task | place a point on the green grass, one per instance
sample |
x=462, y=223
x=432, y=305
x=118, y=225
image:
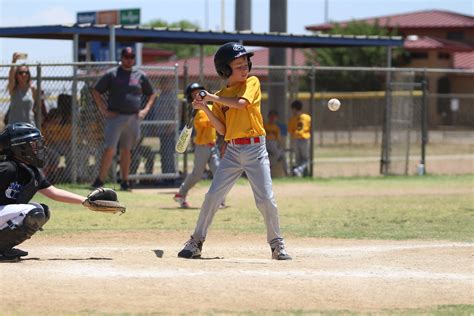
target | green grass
x=366, y=210
x=441, y=310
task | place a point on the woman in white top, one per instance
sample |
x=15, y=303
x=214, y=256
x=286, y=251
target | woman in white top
x=22, y=94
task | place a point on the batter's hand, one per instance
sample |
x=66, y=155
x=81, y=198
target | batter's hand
x=199, y=105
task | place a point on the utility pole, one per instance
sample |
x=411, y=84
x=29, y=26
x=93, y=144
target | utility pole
x=222, y=15
x=277, y=57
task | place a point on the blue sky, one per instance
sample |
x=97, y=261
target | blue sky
x=300, y=14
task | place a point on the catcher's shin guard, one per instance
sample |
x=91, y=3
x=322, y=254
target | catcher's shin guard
x=16, y=234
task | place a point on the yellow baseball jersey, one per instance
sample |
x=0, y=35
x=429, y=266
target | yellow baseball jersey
x=246, y=122
x=299, y=126
x=205, y=132
x=273, y=131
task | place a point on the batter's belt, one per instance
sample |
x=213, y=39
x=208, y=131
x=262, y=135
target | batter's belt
x=247, y=140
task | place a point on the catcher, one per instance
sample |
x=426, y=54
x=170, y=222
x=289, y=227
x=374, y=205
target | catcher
x=22, y=154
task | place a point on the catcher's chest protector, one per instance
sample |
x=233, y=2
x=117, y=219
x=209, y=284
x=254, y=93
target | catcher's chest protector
x=31, y=187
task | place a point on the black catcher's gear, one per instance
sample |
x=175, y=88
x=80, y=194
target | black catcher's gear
x=226, y=54
x=16, y=234
x=189, y=90
x=24, y=143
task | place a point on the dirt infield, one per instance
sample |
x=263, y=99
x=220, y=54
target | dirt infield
x=120, y=272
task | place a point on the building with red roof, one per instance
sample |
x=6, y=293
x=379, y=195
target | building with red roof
x=433, y=39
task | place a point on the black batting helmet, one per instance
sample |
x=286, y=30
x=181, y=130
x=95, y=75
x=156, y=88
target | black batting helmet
x=23, y=142
x=226, y=54
x=190, y=88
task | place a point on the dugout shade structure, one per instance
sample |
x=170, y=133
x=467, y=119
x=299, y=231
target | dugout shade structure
x=113, y=34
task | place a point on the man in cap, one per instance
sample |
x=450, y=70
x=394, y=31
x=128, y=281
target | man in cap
x=123, y=111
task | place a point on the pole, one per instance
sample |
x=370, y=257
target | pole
x=176, y=106
x=38, y=97
x=74, y=126
x=74, y=112
x=326, y=11
x=201, y=63
x=206, y=14
x=424, y=128
x=112, y=42
x=313, y=116
x=185, y=115
x=386, y=126
x=222, y=15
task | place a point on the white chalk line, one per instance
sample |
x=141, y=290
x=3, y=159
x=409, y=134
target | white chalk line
x=76, y=270
x=323, y=250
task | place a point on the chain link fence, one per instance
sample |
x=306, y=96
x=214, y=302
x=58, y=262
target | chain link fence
x=73, y=127
x=353, y=141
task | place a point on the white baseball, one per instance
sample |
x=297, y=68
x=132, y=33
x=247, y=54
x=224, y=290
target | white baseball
x=334, y=104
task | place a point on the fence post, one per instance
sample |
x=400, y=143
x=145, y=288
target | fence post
x=39, y=97
x=313, y=115
x=384, y=160
x=185, y=116
x=424, y=128
x=74, y=126
x=176, y=117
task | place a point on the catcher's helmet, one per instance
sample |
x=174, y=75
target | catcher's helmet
x=226, y=54
x=23, y=142
x=189, y=90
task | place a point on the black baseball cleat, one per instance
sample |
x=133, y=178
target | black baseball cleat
x=97, y=184
x=279, y=253
x=192, y=249
x=12, y=255
x=125, y=186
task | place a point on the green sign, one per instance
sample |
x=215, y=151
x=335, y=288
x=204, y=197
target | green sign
x=130, y=17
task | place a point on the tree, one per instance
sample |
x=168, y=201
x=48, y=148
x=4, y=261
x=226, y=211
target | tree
x=181, y=50
x=371, y=56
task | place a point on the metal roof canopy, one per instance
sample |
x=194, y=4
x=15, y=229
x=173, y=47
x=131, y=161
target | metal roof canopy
x=120, y=33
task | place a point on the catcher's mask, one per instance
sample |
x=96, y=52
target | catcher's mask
x=226, y=54
x=190, y=89
x=23, y=142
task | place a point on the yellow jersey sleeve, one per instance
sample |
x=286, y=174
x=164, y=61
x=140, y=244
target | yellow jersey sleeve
x=246, y=122
x=205, y=132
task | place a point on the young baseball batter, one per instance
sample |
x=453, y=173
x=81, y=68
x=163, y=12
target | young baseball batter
x=205, y=151
x=236, y=115
x=22, y=153
x=299, y=127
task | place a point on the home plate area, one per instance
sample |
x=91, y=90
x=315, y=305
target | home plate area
x=140, y=272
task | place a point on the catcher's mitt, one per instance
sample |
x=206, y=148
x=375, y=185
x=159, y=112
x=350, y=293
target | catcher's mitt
x=104, y=200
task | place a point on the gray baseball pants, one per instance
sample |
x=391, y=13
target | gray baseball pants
x=253, y=159
x=203, y=155
x=301, y=149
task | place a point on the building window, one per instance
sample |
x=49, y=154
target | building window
x=442, y=55
x=418, y=55
x=455, y=36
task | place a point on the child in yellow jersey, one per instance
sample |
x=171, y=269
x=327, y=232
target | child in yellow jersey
x=205, y=151
x=299, y=127
x=236, y=115
x=274, y=144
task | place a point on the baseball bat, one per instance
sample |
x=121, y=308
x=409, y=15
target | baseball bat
x=186, y=133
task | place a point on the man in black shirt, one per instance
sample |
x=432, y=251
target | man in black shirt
x=22, y=154
x=125, y=86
